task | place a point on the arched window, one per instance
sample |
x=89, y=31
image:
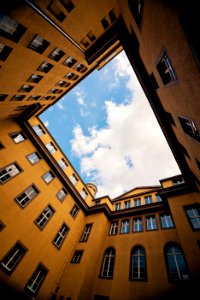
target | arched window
x=136, y=8
x=107, y=267
x=138, y=270
x=176, y=264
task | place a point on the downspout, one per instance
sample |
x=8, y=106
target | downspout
x=40, y=12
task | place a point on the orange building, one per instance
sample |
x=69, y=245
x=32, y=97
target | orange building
x=58, y=241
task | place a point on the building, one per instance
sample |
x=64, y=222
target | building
x=58, y=241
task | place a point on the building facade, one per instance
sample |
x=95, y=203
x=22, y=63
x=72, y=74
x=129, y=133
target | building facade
x=58, y=241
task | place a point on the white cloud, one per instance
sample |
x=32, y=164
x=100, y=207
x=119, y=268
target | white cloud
x=60, y=105
x=80, y=96
x=46, y=123
x=131, y=150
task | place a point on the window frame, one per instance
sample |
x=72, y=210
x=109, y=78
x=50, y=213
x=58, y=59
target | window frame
x=137, y=225
x=111, y=260
x=139, y=262
x=4, y=168
x=76, y=208
x=37, y=271
x=61, y=199
x=52, y=176
x=24, y=192
x=59, y=235
x=124, y=227
x=192, y=206
x=114, y=229
x=86, y=233
x=18, y=134
x=78, y=253
x=42, y=216
x=152, y=222
x=169, y=69
x=37, y=155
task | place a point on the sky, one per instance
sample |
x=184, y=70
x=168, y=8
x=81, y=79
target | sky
x=108, y=131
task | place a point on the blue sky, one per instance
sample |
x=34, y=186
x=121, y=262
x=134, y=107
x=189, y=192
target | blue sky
x=108, y=131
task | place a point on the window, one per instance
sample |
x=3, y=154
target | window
x=13, y=257
x=166, y=70
x=62, y=163
x=35, y=78
x=24, y=198
x=84, y=42
x=190, y=128
x=193, y=214
x=138, y=270
x=125, y=226
x=68, y=4
x=91, y=36
x=18, y=97
x=127, y=204
x=176, y=265
x=61, y=235
x=76, y=259
x=158, y=198
x=2, y=97
x=113, y=228
x=33, y=158
x=50, y=146
x=117, y=206
x=18, y=137
x=48, y=176
x=38, y=44
x=178, y=181
x=61, y=195
x=105, y=23
x=44, y=217
x=137, y=225
x=80, y=68
x=166, y=221
x=137, y=202
x=8, y=172
x=136, y=8
x=54, y=8
x=107, y=268
x=4, y=52
x=10, y=28
x=74, y=211
x=26, y=88
x=34, y=97
x=148, y=199
x=112, y=15
x=69, y=62
x=73, y=179
x=45, y=67
x=86, y=232
x=151, y=223
x=36, y=279
x=83, y=194
x=62, y=83
x=71, y=76
x=38, y=130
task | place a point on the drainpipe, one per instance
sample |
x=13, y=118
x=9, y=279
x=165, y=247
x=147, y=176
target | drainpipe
x=38, y=10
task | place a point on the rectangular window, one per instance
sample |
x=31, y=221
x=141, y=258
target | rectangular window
x=113, y=228
x=73, y=179
x=127, y=204
x=193, y=214
x=86, y=232
x=24, y=198
x=137, y=202
x=61, y=195
x=26, y=88
x=151, y=223
x=68, y=4
x=50, y=146
x=48, y=177
x=178, y=181
x=38, y=130
x=36, y=280
x=35, y=78
x=137, y=225
x=158, y=198
x=18, y=97
x=166, y=70
x=11, y=29
x=105, y=23
x=77, y=257
x=34, y=158
x=80, y=68
x=4, y=52
x=9, y=172
x=74, y=211
x=117, y=206
x=69, y=62
x=38, y=44
x=125, y=226
x=13, y=257
x=61, y=235
x=44, y=217
x=148, y=199
x=166, y=221
x=62, y=163
x=83, y=194
x=190, y=128
x=57, y=54
x=91, y=36
x=18, y=137
x=45, y=67
x=54, y=8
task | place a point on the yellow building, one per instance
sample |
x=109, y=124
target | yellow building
x=58, y=241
